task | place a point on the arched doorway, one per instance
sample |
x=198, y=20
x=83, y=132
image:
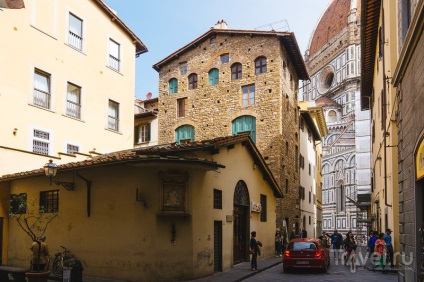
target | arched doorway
x=241, y=222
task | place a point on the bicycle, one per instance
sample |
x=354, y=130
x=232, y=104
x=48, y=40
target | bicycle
x=59, y=259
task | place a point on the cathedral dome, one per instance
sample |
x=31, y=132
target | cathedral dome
x=332, y=21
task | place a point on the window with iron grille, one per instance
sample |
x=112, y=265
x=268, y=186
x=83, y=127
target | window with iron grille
x=263, y=208
x=181, y=107
x=192, y=81
x=248, y=94
x=75, y=32
x=41, y=146
x=236, y=71
x=71, y=149
x=41, y=89
x=114, y=55
x=18, y=203
x=217, y=199
x=49, y=201
x=113, y=116
x=73, y=101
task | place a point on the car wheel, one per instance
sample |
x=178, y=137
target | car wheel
x=325, y=268
x=286, y=269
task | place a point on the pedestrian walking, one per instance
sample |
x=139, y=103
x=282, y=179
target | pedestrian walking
x=304, y=233
x=380, y=250
x=284, y=237
x=371, y=243
x=292, y=235
x=324, y=240
x=278, y=243
x=389, y=245
x=350, y=245
x=336, y=241
x=255, y=251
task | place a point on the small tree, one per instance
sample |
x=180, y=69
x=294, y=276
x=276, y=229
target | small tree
x=31, y=218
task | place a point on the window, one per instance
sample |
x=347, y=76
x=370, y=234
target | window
x=75, y=32
x=245, y=124
x=310, y=169
x=310, y=196
x=173, y=86
x=236, y=71
x=41, y=89
x=71, y=149
x=217, y=199
x=18, y=203
x=114, y=55
x=183, y=68
x=40, y=143
x=248, y=94
x=260, y=65
x=49, y=201
x=113, y=116
x=213, y=76
x=73, y=101
x=192, y=81
x=142, y=133
x=181, y=107
x=184, y=134
x=225, y=58
x=263, y=208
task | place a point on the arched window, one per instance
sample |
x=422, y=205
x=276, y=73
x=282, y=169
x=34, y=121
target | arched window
x=192, y=81
x=236, y=71
x=213, y=76
x=332, y=116
x=260, y=65
x=173, y=86
x=245, y=124
x=184, y=134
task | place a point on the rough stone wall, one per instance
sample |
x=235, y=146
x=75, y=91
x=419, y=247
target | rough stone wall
x=410, y=130
x=212, y=108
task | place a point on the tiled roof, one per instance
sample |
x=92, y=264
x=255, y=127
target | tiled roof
x=287, y=39
x=166, y=153
x=334, y=20
x=326, y=102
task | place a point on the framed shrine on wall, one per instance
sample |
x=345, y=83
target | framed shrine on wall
x=173, y=194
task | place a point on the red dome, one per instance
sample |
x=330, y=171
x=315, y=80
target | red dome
x=332, y=21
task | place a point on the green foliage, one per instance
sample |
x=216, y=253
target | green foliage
x=30, y=217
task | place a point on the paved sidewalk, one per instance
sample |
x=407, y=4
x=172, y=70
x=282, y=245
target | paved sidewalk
x=242, y=270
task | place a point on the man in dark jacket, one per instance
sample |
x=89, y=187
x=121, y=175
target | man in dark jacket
x=336, y=242
x=304, y=234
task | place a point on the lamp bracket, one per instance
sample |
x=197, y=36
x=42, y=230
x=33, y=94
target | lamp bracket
x=67, y=185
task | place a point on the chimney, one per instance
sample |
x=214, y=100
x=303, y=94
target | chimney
x=221, y=25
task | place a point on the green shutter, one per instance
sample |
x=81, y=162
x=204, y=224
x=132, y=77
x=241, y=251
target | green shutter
x=213, y=76
x=148, y=132
x=245, y=124
x=184, y=132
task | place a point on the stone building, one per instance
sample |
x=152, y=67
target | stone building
x=230, y=81
x=333, y=62
x=408, y=78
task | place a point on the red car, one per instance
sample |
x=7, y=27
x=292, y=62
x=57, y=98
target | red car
x=306, y=253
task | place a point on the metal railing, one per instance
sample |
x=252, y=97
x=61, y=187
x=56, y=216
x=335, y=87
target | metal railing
x=114, y=62
x=73, y=109
x=75, y=40
x=41, y=99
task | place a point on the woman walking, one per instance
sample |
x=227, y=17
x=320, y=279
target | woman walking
x=254, y=250
x=350, y=248
x=380, y=251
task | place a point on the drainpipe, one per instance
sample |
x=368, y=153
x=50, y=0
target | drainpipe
x=385, y=133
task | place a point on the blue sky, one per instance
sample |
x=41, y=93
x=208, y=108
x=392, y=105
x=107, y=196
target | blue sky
x=166, y=25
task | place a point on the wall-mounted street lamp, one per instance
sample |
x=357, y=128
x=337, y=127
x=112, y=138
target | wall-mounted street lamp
x=50, y=169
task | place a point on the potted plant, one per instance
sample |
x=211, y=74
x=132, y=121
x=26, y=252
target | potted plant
x=33, y=220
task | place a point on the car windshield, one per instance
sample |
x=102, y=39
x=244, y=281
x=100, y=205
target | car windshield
x=302, y=246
